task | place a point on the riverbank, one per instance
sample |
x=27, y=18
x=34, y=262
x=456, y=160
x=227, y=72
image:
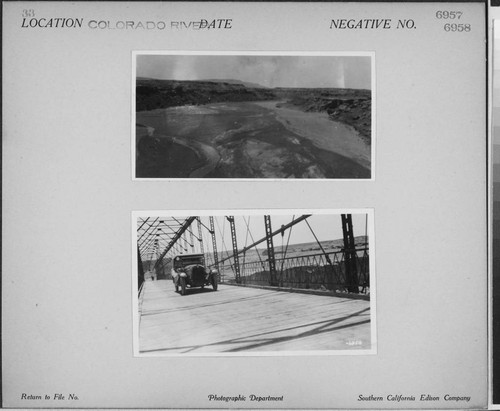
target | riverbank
x=323, y=132
x=250, y=140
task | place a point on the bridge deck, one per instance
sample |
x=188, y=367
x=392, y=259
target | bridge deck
x=241, y=319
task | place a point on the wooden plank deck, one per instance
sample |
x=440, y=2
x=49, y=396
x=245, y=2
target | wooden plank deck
x=241, y=319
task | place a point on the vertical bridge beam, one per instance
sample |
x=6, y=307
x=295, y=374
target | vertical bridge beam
x=200, y=235
x=184, y=242
x=192, y=240
x=351, y=272
x=140, y=269
x=273, y=280
x=214, y=245
x=235, y=249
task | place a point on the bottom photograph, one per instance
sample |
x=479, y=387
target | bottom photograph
x=255, y=283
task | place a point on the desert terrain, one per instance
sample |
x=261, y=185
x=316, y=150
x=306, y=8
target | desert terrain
x=216, y=129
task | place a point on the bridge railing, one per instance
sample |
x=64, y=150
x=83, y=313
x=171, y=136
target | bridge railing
x=310, y=271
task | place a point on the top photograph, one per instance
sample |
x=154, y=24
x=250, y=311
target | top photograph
x=253, y=116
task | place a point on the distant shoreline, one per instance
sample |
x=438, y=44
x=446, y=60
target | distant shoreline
x=254, y=139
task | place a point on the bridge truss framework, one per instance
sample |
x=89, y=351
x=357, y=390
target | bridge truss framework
x=159, y=239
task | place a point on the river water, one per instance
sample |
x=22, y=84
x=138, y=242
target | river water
x=322, y=132
x=261, y=139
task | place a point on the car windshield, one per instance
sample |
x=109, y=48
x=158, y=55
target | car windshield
x=182, y=261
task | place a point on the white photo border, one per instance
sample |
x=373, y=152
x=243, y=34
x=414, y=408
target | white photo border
x=239, y=212
x=371, y=54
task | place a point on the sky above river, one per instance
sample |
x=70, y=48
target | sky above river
x=267, y=71
x=325, y=227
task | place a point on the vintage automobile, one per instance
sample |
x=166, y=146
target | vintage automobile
x=188, y=271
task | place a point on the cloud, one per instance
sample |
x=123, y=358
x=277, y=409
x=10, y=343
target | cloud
x=270, y=71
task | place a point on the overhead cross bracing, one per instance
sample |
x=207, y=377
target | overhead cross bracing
x=156, y=236
x=314, y=252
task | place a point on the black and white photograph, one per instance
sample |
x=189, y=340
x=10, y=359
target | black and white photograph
x=290, y=205
x=254, y=116
x=255, y=284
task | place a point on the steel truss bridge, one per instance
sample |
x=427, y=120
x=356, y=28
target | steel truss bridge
x=253, y=309
x=342, y=270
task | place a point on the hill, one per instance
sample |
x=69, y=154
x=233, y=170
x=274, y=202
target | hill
x=153, y=94
x=293, y=250
x=231, y=81
x=349, y=106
